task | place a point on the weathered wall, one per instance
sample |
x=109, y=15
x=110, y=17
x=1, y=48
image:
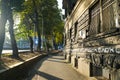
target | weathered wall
x=97, y=23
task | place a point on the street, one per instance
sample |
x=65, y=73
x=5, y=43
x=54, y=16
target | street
x=10, y=51
x=54, y=68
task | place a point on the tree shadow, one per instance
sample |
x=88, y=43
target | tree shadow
x=17, y=58
x=47, y=76
x=42, y=74
x=56, y=61
x=58, y=58
x=35, y=71
x=2, y=66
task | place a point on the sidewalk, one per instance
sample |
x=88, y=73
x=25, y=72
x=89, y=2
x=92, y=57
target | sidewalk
x=54, y=68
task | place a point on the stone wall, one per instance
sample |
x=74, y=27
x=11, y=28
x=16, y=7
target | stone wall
x=96, y=40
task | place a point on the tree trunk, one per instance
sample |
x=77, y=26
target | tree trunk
x=46, y=46
x=3, y=21
x=31, y=43
x=53, y=46
x=39, y=41
x=54, y=43
x=12, y=36
x=37, y=25
x=29, y=27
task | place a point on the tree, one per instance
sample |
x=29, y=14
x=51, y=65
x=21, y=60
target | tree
x=43, y=13
x=7, y=7
x=3, y=21
x=32, y=10
x=52, y=20
x=58, y=34
x=26, y=28
x=37, y=24
x=12, y=36
x=13, y=5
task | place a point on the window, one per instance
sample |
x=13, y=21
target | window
x=117, y=13
x=108, y=15
x=101, y=17
x=70, y=33
x=94, y=22
x=75, y=29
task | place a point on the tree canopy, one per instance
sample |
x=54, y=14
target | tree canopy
x=49, y=17
x=39, y=18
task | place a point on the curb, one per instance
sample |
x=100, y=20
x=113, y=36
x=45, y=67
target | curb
x=20, y=70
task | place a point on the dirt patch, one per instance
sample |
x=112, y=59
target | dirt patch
x=7, y=60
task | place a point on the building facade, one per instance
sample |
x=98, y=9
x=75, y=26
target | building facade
x=92, y=37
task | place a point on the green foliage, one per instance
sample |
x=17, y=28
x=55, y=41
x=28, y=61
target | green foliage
x=53, y=24
x=17, y=5
x=58, y=37
x=21, y=32
x=24, y=29
x=48, y=12
x=58, y=32
x=28, y=7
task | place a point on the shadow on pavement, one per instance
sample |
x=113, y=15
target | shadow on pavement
x=36, y=71
x=48, y=76
x=43, y=75
x=2, y=65
x=57, y=58
x=56, y=61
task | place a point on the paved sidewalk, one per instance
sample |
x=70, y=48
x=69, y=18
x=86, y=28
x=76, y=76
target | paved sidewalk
x=54, y=67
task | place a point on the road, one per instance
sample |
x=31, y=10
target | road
x=10, y=51
x=54, y=68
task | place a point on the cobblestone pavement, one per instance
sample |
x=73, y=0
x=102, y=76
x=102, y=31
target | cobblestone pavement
x=54, y=67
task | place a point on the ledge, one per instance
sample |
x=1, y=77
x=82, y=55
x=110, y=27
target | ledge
x=19, y=70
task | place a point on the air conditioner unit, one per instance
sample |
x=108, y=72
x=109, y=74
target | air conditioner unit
x=117, y=13
x=82, y=34
x=117, y=21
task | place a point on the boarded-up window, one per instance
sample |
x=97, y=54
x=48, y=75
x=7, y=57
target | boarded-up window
x=94, y=24
x=83, y=23
x=108, y=15
x=107, y=19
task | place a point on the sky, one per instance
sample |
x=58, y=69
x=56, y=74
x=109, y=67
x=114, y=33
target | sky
x=60, y=5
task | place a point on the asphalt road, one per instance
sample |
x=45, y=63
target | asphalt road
x=10, y=51
x=54, y=68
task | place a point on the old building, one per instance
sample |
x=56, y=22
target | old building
x=92, y=37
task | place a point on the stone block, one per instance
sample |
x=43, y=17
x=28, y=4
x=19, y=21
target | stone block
x=106, y=73
x=83, y=67
x=73, y=61
x=115, y=75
